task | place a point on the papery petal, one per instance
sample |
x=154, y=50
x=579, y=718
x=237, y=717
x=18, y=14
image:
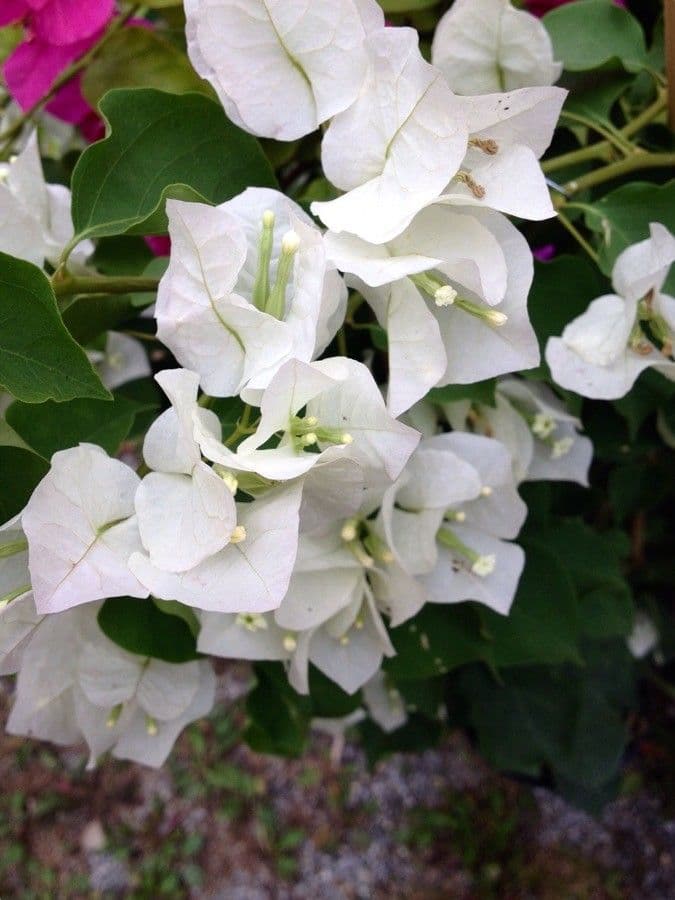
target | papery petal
x=644, y=266
x=184, y=519
x=396, y=148
x=487, y=45
x=453, y=582
x=79, y=531
x=251, y=576
x=280, y=67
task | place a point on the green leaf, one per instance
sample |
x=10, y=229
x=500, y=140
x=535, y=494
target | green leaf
x=591, y=33
x=329, y=701
x=140, y=627
x=20, y=472
x=89, y=316
x=569, y=719
x=594, y=94
x=438, y=639
x=543, y=624
x=561, y=291
x=419, y=733
x=39, y=360
x=174, y=608
x=138, y=57
x=160, y=145
x=279, y=716
x=56, y=426
x=593, y=562
x=482, y=392
x=622, y=217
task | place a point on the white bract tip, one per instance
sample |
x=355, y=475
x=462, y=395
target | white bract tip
x=484, y=565
x=290, y=243
x=445, y=296
x=238, y=535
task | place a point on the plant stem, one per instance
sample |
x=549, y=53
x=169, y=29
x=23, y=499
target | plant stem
x=578, y=237
x=603, y=149
x=641, y=160
x=7, y=137
x=611, y=135
x=69, y=285
x=242, y=427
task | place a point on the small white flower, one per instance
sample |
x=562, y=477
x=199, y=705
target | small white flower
x=601, y=353
x=247, y=289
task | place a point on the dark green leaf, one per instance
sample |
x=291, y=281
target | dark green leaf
x=39, y=360
x=438, y=639
x=56, y=426
x=279, y=716
x=161, y=145
x=622, y=217
x=543, y=625
x=561, y=291
x=20, y=472
x=140, y=627
x=479, y=392
x=418, y=734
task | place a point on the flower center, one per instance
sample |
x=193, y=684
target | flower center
x=272, y=299
x=480, y=564
x=445, y=295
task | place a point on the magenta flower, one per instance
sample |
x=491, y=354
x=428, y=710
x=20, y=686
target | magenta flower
x=59, y=22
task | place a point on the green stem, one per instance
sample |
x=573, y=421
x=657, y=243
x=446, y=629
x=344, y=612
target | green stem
x=578, y=237
x=242, y=427
x=70, y=285
x=7, y=137
x=612, y=135
x=603, y=149
x=642, y=160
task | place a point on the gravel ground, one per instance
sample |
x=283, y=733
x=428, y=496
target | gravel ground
x=228, y=824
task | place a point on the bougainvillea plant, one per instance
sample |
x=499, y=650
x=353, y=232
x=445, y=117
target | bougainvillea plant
x=282, y=382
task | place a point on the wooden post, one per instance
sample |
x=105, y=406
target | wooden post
x=669, y=16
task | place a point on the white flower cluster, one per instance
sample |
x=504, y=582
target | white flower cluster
x=601, y=353
x=322, y=518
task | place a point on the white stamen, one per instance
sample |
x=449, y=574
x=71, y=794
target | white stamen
x=238, y=535
x=289, y=643
x=562, y=447
x=543, y=426
x=486, y=491
x=445, y=296
x=484, y=565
